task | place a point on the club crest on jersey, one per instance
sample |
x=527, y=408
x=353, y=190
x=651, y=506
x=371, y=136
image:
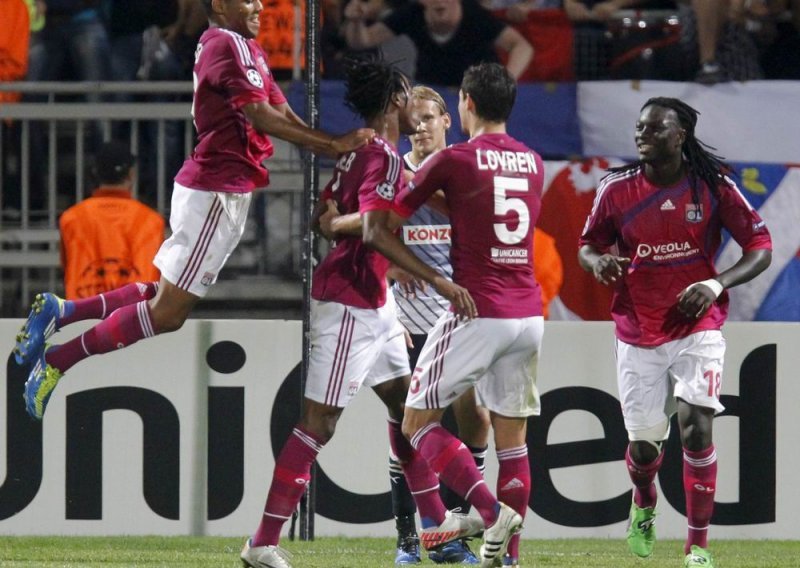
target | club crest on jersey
x=255, y=78
x=386, y=190
x=694, y=212
x=263, y=65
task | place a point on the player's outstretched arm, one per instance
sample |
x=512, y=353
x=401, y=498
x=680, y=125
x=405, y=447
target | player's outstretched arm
x=379, y=236
x=275, y=121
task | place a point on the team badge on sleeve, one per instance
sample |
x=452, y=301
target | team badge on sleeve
x=255, y=78
x=386, y=190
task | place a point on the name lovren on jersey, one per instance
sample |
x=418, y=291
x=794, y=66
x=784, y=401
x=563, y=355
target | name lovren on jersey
x=506, y=161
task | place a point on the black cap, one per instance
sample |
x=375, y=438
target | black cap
x=112, y=162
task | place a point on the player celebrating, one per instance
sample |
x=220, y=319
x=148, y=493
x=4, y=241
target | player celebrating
x=492, y=186
x=355, y=335
x=664, y=215
x=427, y=233
x=236, y=106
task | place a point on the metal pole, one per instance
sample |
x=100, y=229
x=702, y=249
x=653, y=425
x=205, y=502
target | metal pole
x=310, y=248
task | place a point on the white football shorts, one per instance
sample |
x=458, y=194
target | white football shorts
x=650, y=379
x=351, y=347
x=497, y=356
x=206, y=227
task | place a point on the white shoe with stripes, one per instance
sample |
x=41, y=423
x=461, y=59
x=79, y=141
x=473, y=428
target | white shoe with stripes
x=264, y=556
x=496, y=537
x=455, y=526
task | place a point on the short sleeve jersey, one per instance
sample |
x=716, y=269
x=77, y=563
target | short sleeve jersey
x=367, y=179
x=229, y=72
x=444, y=63
x=671, y=241
x=493, y=188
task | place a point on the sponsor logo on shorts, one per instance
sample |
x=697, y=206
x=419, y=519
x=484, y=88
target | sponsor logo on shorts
x=255, y=78
x=208, y=279
x=703, y=488
x=666, y=251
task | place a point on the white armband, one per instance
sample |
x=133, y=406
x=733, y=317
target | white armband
x=714, y=284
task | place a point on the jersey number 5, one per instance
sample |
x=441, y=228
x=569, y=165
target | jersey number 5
x=504, y=205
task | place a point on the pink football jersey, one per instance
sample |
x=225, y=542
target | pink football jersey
x=671, y=242
x=367, y=179
x=229, y=72
x=493, y=188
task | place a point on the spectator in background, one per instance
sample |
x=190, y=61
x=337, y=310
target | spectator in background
x=127, y=22
x=398, y=50
x=591, y=44
x=714, y=34
x=14, y=37
x=775, y=27
x=546, y=26
x=450, y=35
x=109, y=239
x=154, y=40
x=72, y=45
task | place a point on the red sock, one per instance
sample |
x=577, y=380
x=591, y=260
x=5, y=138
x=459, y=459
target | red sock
x=700, y=485
x=643, y=477
x=454, y=464
x=421, y=480
x=289, y=481
x=124, y=327
x=514, y=486
x=103, y=305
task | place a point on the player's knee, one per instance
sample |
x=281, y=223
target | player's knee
x=646, y=444
x=695, y=437
x=409, y=427
x=321, y=425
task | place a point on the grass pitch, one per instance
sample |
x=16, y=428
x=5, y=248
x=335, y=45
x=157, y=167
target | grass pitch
x=150, y=552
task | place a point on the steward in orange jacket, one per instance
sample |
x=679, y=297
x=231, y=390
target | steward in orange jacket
x=109, y=239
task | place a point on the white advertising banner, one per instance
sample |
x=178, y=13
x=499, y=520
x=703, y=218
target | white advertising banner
x=755, y=121
x=177, y=435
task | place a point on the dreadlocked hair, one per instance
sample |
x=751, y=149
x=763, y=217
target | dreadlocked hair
x=371, y=82
x=702, y=163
